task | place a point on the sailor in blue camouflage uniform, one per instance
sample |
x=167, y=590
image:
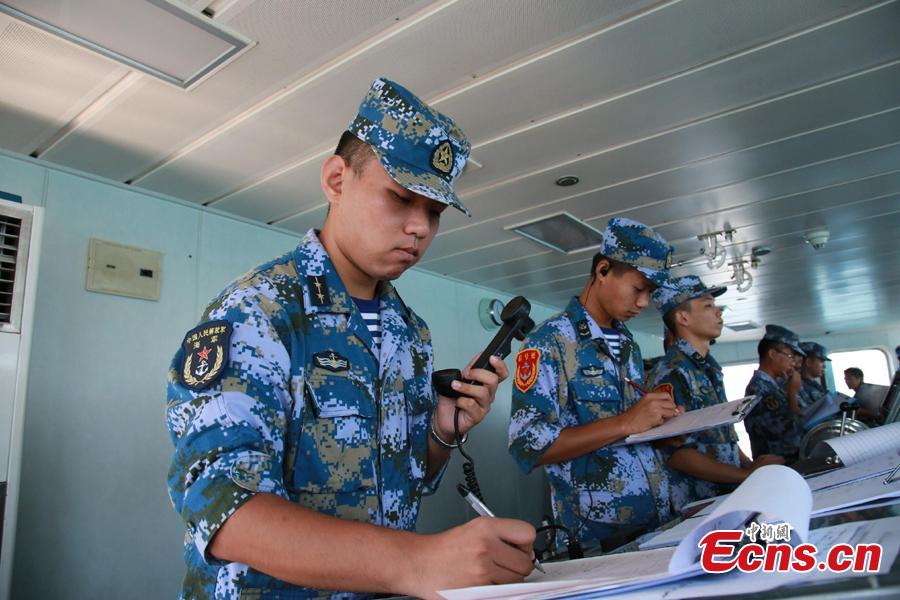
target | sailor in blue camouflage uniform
x=708, y=463
x=774, y=423
x=813, y=387
x=288, y=407
x=571, y=399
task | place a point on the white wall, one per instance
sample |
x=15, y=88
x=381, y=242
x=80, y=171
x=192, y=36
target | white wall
x=95, y=519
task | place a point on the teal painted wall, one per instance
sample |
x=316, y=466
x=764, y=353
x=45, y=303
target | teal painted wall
x=95, y=520
x=96, y=451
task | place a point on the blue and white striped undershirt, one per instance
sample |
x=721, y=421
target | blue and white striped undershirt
x=369, y=311
x=613, y=340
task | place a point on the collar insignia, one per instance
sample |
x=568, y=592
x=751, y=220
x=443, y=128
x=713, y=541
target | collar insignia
x=318, y=290
x=584, y=330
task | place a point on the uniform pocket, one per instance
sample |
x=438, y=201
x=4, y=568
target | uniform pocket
x=336, y=447
x=595, y=398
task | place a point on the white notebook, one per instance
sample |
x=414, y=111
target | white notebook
x=727, y=413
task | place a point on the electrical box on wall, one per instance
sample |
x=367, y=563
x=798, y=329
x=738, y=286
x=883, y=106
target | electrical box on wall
x=123, y=270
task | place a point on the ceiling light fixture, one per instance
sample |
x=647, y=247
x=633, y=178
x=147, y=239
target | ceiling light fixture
x=561, y=232
x=162, y=38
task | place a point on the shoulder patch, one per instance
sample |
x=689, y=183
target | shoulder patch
x=527, y=362
x=665, y=387
x=771, y=402
x=205, y=354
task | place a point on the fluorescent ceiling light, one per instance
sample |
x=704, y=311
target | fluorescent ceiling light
x=160, y=37
x=560, y=232
x=742, y=326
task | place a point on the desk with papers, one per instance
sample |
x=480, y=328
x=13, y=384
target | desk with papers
x=839, y=508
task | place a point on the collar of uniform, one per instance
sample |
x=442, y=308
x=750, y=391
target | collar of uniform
x=391, y=300
x=313, y=261
x=688, y=349
x=766, y=377
x=577, y=312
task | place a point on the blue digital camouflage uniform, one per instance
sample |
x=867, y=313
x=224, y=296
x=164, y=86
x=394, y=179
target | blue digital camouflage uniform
x=772, y=426
x=567, y=376
x=303, y=410
x=697, y=382
x=812, y=390
x=613, y=488
x=281, y=389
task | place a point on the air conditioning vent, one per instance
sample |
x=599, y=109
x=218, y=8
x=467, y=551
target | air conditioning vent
x=10, y=234
x=15, y=236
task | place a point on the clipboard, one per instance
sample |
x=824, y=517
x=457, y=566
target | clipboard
x=727, y=413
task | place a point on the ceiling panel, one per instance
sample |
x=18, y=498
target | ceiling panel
x=626, y=56
x=319, y=111
x=673, y=164
x=153, y=120
x=796, y=62
x=641, y=199
x=46, y=82
x=768, y=116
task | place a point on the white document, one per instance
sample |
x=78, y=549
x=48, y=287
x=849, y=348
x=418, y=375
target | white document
x=717, y=415
x=613, y=572
x=865, y=445
x=673, y=535
x=779, y=494
x=864, y=490
x=881, y=531
x=876, y=467
x=619, y=573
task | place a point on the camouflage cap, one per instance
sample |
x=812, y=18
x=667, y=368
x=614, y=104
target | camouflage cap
x=783, y=335
x=814, y=349
x=683, y=289
x=636, y=244
x=421, y=149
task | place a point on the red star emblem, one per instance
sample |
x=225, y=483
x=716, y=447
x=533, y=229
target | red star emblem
x=204, y=354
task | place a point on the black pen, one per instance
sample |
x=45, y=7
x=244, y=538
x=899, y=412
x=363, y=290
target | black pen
x=479, y=507
x=891, y=475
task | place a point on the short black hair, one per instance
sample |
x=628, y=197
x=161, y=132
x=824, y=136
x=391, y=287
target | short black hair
x=855, y=372
x=355, y=152
x=616, y=267
x=764, y=346
x=669, y=317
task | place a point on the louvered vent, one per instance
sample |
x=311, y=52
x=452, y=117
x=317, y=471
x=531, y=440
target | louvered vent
x=10, y=235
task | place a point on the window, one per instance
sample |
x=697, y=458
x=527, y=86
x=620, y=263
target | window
x=737, y=377
x=873, y=362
